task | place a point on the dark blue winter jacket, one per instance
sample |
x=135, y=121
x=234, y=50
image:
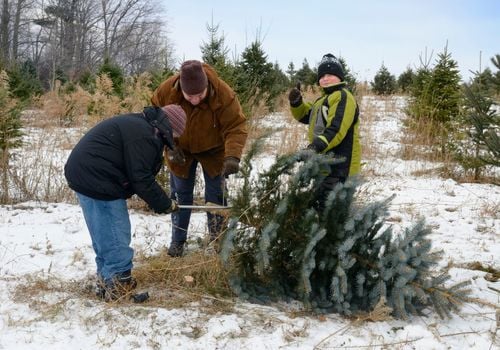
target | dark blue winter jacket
x=120, y=157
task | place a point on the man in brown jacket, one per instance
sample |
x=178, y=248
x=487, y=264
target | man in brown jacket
x=215, y=134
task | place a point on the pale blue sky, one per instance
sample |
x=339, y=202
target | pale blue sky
x=366, y=33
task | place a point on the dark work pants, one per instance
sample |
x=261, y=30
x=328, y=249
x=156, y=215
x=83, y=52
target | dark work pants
x=182, y=191
x=324, y=190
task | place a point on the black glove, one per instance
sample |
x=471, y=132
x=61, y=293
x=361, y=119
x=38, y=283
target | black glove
x=294, y=96
x=176, y=156
x=317, y=145
x=231, y=166
x=173, y=207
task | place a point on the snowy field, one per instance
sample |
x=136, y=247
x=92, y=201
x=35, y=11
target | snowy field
x=40, y=240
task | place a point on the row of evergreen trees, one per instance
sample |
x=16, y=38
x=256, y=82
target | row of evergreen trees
x=460, y=121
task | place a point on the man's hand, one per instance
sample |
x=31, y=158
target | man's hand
x=173, y=207
x=176, y=156
x=295, y=97
x=231, y=166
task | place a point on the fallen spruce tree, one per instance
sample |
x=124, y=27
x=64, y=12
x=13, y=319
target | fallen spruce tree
x=345, y=259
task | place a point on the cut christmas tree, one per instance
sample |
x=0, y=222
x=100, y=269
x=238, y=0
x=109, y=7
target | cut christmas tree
x=344, y=259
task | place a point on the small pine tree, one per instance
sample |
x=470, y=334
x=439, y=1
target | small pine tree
x=349, y=77
x=215, y=53
x=292, y=73
x=496, y=78
x=476, y=143
x=10, y=133
x=344, y=259
x=405, y=80
x=115, y=73
x=23, y=81
x=306, y=75
x=445, y=87
x=384, y=83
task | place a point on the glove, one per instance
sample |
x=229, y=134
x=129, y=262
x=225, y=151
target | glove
x=294, y=96
x=176, y=156
x=173, y=207
x=317, y=145
x=231, y=166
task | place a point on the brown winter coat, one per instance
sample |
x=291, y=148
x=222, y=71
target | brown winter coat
x=215, y=129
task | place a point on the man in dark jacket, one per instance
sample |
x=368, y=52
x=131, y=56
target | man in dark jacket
x=216, y=132
x=115, y=159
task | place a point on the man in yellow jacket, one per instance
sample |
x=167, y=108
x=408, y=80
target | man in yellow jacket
x=333, y=123
x=215, y=134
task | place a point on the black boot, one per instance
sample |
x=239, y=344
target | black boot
x=176, y=249
x=120, y=285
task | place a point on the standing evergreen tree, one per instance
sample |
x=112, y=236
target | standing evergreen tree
x=254, y=75
x=215, y=53
x=496, y=78
x=10, y=133
x=292, y=73
x=344, y=259
x=475, y=142
x=445, y=87
x=23, y=81
x=405, y=80
x=384, y=83
x=349, y=77
x=280, y=85
x=115, y=73
x=435, y=99
x=306, y=75
x=419, y=106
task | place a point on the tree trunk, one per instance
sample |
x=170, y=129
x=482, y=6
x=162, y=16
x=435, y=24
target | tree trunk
x=15, y=29
x=4, y=33
x=4, y=166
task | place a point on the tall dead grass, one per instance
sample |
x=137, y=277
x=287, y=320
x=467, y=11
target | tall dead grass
x=60, y=108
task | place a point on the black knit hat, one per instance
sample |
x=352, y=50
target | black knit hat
x=330, y=65
x=193, y=77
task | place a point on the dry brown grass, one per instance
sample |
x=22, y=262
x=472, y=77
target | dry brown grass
x=60, y=108
x=195, y=280
x=419, y=141
x=490, y=209
x=193, y=277
x=367, y=136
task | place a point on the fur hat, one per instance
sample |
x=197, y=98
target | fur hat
x=193, y=77
x=330, y=65
x=177, y=118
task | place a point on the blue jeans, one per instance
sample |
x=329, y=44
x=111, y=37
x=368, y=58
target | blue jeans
x=109, y=226
x=182, y=192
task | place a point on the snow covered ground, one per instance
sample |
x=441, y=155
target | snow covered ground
x=40, y=241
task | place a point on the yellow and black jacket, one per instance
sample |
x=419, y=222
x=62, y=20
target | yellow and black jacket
x=334, y=127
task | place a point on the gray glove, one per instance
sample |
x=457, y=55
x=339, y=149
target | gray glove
x=173, y=207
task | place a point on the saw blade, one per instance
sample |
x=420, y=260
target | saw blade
x=204, y=207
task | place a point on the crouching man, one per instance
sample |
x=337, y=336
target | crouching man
x=115, y=159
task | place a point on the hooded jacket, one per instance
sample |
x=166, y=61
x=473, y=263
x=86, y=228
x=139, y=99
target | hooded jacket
x=117, y=158
x=334, y=127
x=215, y=129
